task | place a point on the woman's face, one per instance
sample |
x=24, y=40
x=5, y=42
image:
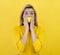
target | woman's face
x=29, y=12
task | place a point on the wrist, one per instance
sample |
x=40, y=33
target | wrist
x=26, y=30
x=32, y=30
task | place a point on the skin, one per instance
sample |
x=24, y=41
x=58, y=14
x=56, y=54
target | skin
x=29, y=12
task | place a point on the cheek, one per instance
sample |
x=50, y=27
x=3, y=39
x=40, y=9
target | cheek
x=33, y=17
x=24, y=16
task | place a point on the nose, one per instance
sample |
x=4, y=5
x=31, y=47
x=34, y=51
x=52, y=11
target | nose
x=29, y=15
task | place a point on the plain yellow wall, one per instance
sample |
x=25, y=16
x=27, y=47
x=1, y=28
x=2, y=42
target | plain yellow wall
x=48, y=16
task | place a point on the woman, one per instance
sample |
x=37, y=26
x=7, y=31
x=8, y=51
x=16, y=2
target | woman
x=28, y=33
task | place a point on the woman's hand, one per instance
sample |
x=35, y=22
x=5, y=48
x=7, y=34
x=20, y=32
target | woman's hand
x=32, y=31
x=26, y=32
x=31, y=25
x=26, y=24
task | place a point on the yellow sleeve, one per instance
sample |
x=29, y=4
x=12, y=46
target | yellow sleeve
x=37, y=44
x=20, y=46
x=19, y=35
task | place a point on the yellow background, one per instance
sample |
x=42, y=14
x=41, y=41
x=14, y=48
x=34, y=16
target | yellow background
x=48, y=16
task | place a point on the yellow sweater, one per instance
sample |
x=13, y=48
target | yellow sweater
x=31, y=48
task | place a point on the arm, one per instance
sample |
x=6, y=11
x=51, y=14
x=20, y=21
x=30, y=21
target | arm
x=22, y=42
x=33, y=35
x=36, y=41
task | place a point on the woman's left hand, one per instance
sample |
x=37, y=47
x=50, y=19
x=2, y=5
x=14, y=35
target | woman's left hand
x=31, y=25
x=32, y=31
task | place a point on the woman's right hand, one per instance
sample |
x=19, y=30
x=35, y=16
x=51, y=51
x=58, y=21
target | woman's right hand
x=26, y=24
x=26, y=32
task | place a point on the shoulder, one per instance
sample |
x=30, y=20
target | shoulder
x=19, y=28
x=38, y=29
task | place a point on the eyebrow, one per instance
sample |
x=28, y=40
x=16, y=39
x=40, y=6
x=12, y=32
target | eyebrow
x=27, y=11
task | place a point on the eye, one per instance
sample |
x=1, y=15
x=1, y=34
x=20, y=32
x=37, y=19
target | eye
x=26, y=13
x=31, y=13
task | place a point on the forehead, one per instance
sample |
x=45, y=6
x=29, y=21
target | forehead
x=29, y=10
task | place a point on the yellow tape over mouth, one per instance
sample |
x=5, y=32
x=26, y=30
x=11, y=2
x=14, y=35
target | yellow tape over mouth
x=29, y=19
